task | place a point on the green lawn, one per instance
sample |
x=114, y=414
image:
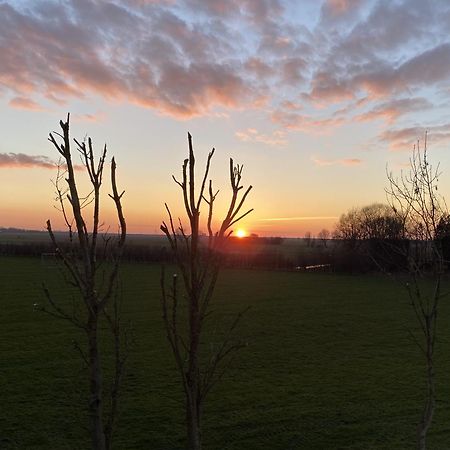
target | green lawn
x=329, y=365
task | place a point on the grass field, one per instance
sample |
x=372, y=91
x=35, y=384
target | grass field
x=329, y=365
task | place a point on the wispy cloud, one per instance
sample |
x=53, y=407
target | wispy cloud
x=337, y=7
x=276, y=138
x=406, y=137
x=24, y=161
x=21, y=160
x=98, y=117
x=292, y=121
x=348, y=162
x=25, y=103
x=167, y=64
x=390, y=111
x=157, y=54
x=298, y=219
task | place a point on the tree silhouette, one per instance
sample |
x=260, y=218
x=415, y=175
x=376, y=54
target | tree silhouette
x=96, y=281
x=415, y=199
x=199, y=263
x=375, y=221
x=324, y=235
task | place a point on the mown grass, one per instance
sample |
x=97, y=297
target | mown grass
x=329, y=365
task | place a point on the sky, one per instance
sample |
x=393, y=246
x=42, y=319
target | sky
x=317, y=99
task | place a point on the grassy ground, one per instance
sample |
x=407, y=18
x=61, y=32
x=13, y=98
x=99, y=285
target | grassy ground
x=329, y=365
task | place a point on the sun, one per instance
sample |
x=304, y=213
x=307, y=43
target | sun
x=241, y=233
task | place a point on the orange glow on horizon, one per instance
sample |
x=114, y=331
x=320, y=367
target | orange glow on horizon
x=241, y=233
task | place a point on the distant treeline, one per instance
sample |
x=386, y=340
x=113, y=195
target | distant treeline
x=136, y=253
x=337, y=255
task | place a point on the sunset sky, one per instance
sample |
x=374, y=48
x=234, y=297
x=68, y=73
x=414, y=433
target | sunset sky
x=314, y=98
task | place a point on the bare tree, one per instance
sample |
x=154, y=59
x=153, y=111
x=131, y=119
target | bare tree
x=199, y=266
x=375, y=221
x=307, y=238
x=324, y=235
x=96, y=281
x=415, y=199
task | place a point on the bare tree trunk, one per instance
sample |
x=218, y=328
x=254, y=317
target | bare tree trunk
x=115, y=388
x=193, y=421
x=430, y=402
x=193, y=382
x=414, y=197
x=199, y=269
x=95, y=385
x=83, y=272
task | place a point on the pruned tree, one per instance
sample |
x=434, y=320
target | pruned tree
x=415, y=199
x=199, y=263
x=95, y=279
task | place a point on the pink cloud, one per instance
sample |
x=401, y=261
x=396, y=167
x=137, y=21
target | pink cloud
x=348, y=162
x=175, y=73
x=326, y=87
x=25, y=103
x=190, y=91
x=38, y=61
x=257, y=11
x=258, y=67
x=262, y=10
x=378, y=78
x=230, y=54
x=292, y=120
x=427, y=68
x=350, y=107
x=276, y=138
x=148, y=2
x=298, y=218
x=21, y=160
x=340, y=13
x=338, y=7
x=392, y=110
x=405, y=138
x=98, y=117
x=293, y=70
x=291, y=106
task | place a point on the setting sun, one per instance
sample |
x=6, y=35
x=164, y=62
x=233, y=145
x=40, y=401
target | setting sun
x=279, y=157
